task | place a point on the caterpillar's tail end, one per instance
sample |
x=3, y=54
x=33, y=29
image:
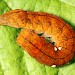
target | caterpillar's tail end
x=1, y=22
x=14, y=18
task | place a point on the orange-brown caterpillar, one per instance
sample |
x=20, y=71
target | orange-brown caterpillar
x=51, y=26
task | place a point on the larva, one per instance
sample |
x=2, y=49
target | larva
x=59, y=53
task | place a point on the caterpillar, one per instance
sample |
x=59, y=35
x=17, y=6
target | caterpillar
x=60, y=50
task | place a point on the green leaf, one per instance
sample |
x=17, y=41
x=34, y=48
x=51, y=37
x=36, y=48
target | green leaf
x=70, y=2
x=11, y=55
x=51, y=71
x=1, y=71
x=15, y=61
x=68, y=69
x=3, y=7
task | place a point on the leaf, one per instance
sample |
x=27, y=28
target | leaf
x=70, y=2
x=13, y=59
x=1, y=71
x=67, y=69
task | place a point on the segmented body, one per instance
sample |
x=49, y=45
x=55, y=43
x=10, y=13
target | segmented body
x=51, y=26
